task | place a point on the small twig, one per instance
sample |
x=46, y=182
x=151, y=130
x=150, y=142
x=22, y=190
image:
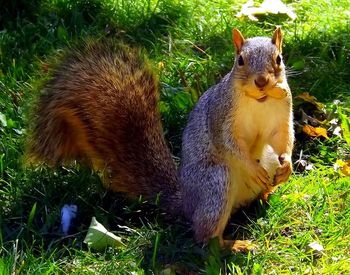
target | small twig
x=196, y=47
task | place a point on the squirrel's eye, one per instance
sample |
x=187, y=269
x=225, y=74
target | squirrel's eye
x=278, y=60
x=240, y=61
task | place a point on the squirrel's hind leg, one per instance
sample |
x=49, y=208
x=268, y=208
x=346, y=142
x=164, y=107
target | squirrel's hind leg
x=208, y=203
x=207, y=200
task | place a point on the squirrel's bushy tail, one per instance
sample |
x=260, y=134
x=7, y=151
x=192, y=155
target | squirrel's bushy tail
x=101, y=107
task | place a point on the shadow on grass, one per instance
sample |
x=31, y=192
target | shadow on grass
x=33, y=28
x=177, y=250
x=32, y=216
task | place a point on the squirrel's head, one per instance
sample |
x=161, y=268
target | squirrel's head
x=259, y=67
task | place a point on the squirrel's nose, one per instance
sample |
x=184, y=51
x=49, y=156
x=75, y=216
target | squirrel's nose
x=261, y=81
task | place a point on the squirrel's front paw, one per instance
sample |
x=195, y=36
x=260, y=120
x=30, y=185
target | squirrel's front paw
x=283, y=172
x=260, y=175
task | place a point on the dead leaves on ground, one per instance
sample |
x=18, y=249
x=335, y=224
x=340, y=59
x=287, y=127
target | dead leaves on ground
x=311, y=99
x=310, y=116
x=314, y=120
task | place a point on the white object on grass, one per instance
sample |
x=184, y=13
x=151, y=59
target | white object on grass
x=315, y=248
x=250, y=10
x=68, y=213
x=98, y=237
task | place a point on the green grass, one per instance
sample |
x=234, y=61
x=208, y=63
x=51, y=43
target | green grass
x=190, y=41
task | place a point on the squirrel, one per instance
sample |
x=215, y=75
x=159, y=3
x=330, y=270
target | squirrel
x=101, y=108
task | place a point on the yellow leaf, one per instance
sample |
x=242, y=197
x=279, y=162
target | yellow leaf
x=277, y=92
x=340, y=162
x=315, y=131
x=255, y=93
x=311, y=99
x=346, y=169
x=307, y=97
x=161, y=65
x=344, y=166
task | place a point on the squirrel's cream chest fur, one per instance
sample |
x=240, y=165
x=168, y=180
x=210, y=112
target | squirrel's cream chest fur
x=257, y=122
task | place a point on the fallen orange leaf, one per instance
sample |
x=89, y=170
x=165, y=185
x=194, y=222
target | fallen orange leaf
x=315, y=131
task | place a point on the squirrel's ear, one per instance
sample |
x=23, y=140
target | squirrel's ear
x=277, y=38
x=238, y=40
